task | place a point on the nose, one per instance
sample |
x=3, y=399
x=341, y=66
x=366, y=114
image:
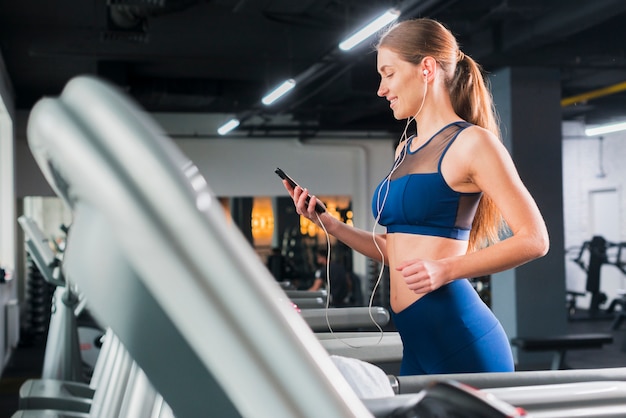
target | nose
x=382, y=90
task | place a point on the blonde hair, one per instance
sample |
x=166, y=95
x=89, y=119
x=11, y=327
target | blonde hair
x=471, y=98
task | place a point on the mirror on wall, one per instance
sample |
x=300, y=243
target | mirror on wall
x=286, y=242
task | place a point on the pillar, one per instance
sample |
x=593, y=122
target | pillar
x=530, y=300
x=285, y=219
x=241, y=213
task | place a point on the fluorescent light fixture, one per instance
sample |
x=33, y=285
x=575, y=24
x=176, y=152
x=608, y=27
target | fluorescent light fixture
x=228, y=126
x=605, y=129
x=373, y=27
x=278, y=92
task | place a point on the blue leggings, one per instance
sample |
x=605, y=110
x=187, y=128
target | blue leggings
x=451, y=330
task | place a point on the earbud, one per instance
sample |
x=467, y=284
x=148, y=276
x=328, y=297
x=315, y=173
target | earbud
x=425, y=72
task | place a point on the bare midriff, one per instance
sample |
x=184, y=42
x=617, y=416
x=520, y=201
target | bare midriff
x=403, y=247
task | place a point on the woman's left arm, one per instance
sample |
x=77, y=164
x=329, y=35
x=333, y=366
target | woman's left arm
x=492, y=169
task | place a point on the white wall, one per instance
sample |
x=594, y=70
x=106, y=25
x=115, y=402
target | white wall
x=589, y=167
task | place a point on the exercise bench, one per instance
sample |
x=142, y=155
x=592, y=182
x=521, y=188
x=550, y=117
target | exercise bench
x=560, y=344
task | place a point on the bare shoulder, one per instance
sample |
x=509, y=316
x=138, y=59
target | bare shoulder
x=473, y=151
x=474, y=137
x=477, y=158
x=480, y=147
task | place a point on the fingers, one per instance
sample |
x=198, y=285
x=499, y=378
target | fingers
x=312, y=204
x=299, y=199
x=403, y=264
x=420, y=286
x=416, y=276
x=290, y=189
x=303, y=207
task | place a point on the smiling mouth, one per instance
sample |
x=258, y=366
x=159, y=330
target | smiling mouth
x=392, y=102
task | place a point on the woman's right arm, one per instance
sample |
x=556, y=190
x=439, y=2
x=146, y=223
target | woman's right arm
x=357, y=239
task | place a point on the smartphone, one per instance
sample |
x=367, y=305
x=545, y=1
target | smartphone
x=318, y=207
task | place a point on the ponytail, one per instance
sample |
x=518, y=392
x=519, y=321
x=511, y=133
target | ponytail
x=470, y=95
x=472, y=101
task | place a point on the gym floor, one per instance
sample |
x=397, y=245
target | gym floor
x=27, y=361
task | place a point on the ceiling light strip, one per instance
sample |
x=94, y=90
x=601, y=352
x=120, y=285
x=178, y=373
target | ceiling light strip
x=605, y=129
x=370, y=29
x=278, y=92
x=228, y=126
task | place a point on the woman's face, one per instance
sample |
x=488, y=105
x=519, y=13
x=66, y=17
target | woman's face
x=402, y=84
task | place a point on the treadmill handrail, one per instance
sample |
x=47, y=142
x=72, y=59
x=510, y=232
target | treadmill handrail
x=142, y=209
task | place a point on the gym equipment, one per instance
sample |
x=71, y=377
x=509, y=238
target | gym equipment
x=546, y=393
x=67, y=338
x=119, y=388
x=343, y=319
x=445, y=398
x=597, y=249
x=314, y=311
x=414, y=384
x=38, y=246
x=383, y=350
x=165, y=248
x=560, y=344
x=37, y=303
x=305, y=299
x=620, y=314
x=580, y=399
x=62, y=385
x=299, y=294
x=62, y=358
x=73, y=396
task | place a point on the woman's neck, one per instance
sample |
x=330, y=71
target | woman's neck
x=436, y=113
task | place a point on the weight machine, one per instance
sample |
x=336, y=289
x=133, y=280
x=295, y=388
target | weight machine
x=598, y=255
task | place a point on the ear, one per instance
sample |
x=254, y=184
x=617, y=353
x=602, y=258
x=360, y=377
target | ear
x=428, y=68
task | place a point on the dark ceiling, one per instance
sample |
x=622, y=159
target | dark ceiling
x=222, y=56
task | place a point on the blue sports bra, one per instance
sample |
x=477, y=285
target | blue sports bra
x=415, y=198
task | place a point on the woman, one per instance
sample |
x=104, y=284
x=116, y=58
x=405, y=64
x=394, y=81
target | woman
x=444, y=202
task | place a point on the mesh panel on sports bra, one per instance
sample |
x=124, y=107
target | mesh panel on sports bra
x=468, y=204
x=425, y=159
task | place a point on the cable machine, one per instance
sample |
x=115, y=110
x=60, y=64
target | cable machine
x=598, y=255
